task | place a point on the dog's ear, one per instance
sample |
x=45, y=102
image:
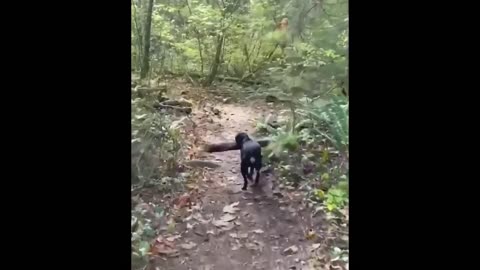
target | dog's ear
x=238, y=139
x=241, y=137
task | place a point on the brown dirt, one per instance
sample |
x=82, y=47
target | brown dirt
x=265, y=223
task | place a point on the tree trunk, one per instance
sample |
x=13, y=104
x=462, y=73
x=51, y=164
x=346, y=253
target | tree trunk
x=216, y=61
x=199, y=42
x=146, y=41
x=137, y=35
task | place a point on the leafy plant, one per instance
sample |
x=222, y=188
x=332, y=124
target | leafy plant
x=336, y=198
x=331, y=121
x=155, y=147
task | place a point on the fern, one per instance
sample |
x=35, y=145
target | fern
x=331, y=121
x=337, y=113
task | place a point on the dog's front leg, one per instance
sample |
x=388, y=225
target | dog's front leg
x=244, y=170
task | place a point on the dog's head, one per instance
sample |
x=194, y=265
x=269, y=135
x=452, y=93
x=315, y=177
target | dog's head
x=241, y=138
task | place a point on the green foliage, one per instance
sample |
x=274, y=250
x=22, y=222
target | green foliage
x=142, y=219
x=337, y=197
x=324, y=123
x=155, y=146
x=330, y=121
x=184, y=37
x=283, y=142
x=305, y=67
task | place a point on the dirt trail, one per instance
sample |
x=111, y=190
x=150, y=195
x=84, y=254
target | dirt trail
x=264, y=225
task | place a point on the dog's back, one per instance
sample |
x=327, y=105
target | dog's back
x=251, y=151
x=251, y=157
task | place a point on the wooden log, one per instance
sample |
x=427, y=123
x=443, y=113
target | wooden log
x=222, y=147
x=202, y=163
x=177, y=103
x=186, y=110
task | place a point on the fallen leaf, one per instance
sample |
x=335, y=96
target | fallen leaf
x=315, y=246
x=200, y=229
x=228, y=217
x=164, y=247
x=144, y=246
x=239, y=235
x=243, y=235
x=173, y=238
x=220, y=223
x=171, y=225
x=259, y=231
x=236, y=246
x=231, y=209
x=278, y=193
x=290, y=250
x=223, y=225
x=198, y=217
x=228, y=227
x=183, y=201
x=188, y=245
x=310, y=235
x=251, y=246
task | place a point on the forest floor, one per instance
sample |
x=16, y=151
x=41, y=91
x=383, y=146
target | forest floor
x=264, y=227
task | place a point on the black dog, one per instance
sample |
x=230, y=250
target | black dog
x=250, y=156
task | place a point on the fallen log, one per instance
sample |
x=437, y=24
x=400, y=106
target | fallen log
x=222, y=147
x=202, y=163
x=186, y=110
x=179, y=103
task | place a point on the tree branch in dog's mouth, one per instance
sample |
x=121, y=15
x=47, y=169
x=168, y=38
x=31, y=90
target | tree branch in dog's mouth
x=222, y=147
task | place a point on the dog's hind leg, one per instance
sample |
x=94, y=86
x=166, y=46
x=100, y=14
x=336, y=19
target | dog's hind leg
x=257, y=177
x=244, y=170
x=258, y=166
x=250, y=172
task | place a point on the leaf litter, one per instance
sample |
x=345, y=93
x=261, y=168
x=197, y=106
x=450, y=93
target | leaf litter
x=258, y=231
x=231, y=208
x=239, y=235
x=164, y=247
x=188, y=245
x=228, y=217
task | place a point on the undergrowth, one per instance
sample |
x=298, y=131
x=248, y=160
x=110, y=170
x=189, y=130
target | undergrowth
x=313, y=155
x=156, y=149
